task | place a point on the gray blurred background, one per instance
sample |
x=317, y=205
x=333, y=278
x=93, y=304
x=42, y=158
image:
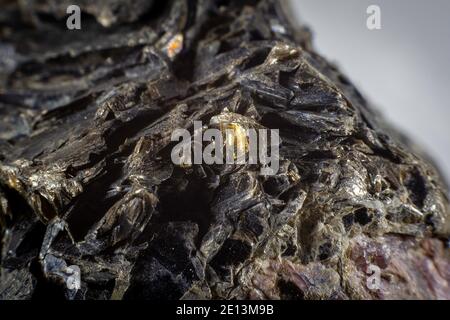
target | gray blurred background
x=404, y=68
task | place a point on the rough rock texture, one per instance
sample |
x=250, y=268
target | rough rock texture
x=92, y=207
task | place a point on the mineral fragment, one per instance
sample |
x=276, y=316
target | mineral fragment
x=92, y=207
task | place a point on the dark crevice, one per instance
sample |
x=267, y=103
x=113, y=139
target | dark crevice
x=93, y=203
x=18, y=205
x=415, y=183
x=185, y=200
x=289, y=291
x=45, y=290
x=362, y=217
x=256, y=59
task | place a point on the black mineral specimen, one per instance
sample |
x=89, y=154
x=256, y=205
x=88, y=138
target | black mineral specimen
x=92, y=207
